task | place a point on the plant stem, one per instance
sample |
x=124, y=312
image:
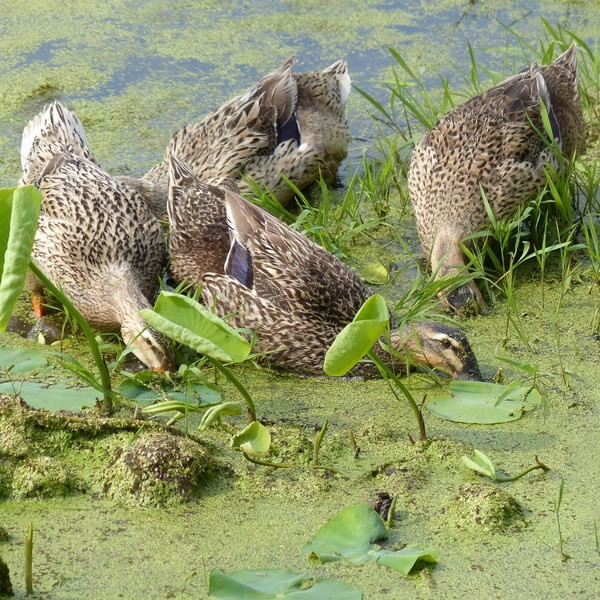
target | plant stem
x=29, y=561
x=390, y=515
x=387, y=373
x=317, y=445
x=87, y=330
x=240, y=388
x=267, y=463
x=514, y=478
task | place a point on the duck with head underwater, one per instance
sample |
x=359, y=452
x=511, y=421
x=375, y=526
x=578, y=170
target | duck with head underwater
x=290, y=124
x=294, y=294
x=490, y=143
x=96, y=238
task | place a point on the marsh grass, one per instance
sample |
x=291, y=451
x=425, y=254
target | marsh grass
x=546, y=231
x=336, y=219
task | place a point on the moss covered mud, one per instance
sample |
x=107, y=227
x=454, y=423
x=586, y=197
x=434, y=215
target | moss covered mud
x=134, y=72
x=500, y=540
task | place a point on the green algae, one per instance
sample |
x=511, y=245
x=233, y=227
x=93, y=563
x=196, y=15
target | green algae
x=41, y=477
x=156, y=470
x=251, y=517
x=485, y=507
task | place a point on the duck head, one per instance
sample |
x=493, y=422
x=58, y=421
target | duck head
x=147, y=345
x=438, y=346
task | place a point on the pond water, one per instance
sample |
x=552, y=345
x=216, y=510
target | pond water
x=135, y=72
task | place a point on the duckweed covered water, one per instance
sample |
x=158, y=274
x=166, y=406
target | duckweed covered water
x=135, y=71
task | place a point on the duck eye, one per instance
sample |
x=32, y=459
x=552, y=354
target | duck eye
x=446, y=343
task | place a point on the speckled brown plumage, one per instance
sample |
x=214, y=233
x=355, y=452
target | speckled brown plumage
x=294, y=294
x=489, y=142
x=242, y=138
x=96, y=238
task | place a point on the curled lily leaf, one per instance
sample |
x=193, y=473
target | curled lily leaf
x=482, y=464
x=218, y=411
x=191, y=324
x=254, y=440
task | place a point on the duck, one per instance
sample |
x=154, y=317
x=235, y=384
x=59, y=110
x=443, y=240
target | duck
x=288, y=124
x=490, y=143
x=96, y=238
x=295, y=295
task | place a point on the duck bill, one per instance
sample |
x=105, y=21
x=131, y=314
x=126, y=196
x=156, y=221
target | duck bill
x=470, y=371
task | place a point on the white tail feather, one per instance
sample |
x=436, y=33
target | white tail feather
x=57, y=124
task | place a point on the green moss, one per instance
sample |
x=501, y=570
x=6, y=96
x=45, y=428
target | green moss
x=156, y=470
x=3, y=534
x=487, y=507
x=291, y=444
x=41, y=477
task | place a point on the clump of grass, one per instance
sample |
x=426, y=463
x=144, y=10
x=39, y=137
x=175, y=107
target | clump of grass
x=545, y=230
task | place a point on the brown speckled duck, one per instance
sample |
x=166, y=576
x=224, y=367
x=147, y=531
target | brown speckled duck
x=96, y=238
x=288, y=124
x=294, y=294
x=489, y=142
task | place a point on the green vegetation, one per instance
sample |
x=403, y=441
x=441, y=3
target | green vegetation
x=351, y=535
x=542, y=276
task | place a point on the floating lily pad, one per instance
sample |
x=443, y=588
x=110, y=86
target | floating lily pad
x=51, y=397
x=277, y=584
x=481, y=402
x=20, y=361
x=199, y=394
x=351, y=534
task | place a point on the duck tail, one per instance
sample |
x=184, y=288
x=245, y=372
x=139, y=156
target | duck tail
x=55, y=129
x=339, y=71
x=568, y=58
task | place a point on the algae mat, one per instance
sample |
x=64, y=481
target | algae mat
x=254, y=517
x=136, y=71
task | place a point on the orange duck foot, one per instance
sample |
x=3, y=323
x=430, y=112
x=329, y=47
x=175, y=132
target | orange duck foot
x=39, y=308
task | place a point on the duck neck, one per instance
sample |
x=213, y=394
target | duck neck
x=447, y=258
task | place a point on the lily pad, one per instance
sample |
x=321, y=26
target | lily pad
x=351, y=534
x=254, y=440
x=276, y=584
x=199, y=394
x=486, y=403
x=51, y=397
x=21, y=361
x=358, y=337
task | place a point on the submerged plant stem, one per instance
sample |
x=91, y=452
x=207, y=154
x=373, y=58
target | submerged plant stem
x=317, y=445
x=240, y=388
x=515, y=477
x=267, y=463
x=87, y=330
x=388, y=374
x=29, y=561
